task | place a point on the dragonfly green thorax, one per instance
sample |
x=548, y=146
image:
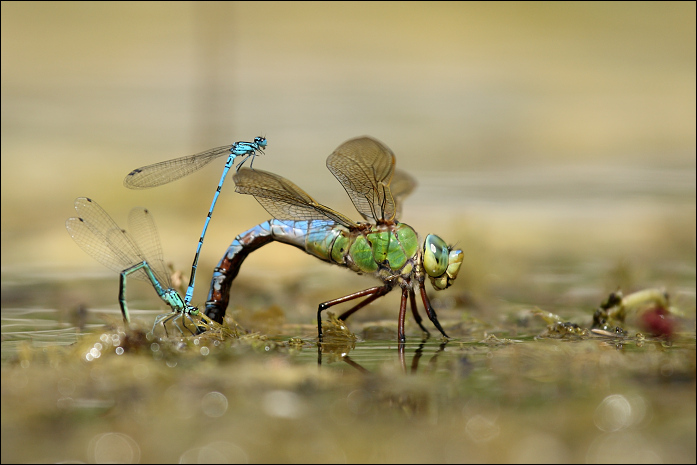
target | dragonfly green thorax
x=382, y=247
x=389, y=250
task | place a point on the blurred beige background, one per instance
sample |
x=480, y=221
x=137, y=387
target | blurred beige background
x=515, y=118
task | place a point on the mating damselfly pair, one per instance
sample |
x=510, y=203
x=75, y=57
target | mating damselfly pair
x=382, y=246
x=139, y=253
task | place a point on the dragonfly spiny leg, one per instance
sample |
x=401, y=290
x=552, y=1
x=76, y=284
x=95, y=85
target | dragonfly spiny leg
x=414, y=311
x=379, y=291
x=373, y=292
x=429, y=310
x=402, y=314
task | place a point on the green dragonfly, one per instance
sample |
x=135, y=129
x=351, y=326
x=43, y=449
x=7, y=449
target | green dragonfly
x=382, y=246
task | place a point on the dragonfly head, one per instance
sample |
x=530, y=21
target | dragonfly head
x=441, y=262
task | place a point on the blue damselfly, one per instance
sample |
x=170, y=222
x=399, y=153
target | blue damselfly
x=171, y=170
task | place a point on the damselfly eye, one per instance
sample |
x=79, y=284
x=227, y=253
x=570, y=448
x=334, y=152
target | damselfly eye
x=435, y=258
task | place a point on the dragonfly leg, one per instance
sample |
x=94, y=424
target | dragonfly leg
x=381, y=291
x=402, y=314
x=414, y=311
x=373, y=293
x=429, y=310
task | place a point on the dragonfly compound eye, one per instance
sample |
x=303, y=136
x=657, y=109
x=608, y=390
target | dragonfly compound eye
x=435, y=256
x=441, y=263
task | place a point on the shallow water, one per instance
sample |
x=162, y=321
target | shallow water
x=503, y=388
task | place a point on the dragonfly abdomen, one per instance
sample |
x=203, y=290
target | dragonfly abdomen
x=294, y=233
x=382, y=250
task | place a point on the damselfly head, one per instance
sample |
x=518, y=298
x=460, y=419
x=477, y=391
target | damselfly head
x=260, y=141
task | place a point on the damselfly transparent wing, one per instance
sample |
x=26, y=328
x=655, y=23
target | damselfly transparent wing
x=164, y=172
x=144, y=232
x=284, y=200
x=365, y=166
x=99, y=235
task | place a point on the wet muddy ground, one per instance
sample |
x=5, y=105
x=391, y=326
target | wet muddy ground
x=509, y=385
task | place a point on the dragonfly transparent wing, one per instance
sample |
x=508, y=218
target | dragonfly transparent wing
x=284, y=200
x=402, y=185
x=365, y=166
x=167, y=171
x=99, y=235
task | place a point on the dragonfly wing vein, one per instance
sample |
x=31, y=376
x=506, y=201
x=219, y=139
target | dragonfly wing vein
x=365, y=166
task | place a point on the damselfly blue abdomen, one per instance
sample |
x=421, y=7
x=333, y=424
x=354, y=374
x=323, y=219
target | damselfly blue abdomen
x=137, y=254
x=171, y=170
